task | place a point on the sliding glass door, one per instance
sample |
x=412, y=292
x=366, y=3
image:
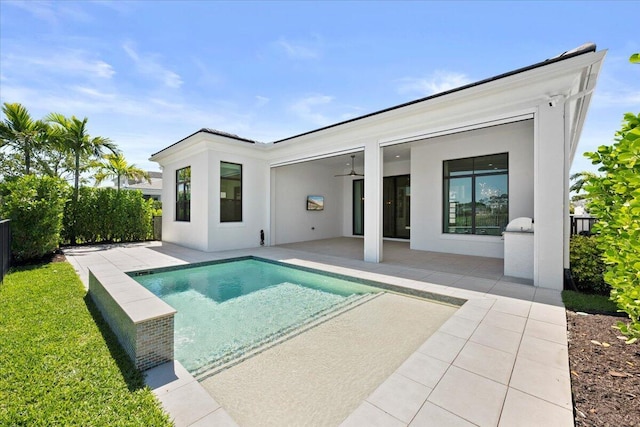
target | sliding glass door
x=396, y=197
x=358, y=207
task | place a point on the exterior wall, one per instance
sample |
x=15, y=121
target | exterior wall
x=142, y=322
x=255, y=203
x=291, y=186
x=400, y=167
x=192, y=234
x=551, y=196
x=427, y=185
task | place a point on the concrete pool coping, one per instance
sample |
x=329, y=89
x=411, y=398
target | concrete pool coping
x=501, y=355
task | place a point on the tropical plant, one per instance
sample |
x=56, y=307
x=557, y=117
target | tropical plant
x=615, y=201
x=52, y=158
x=115, y=166
x=21, y=132
x=635, y=58
x=76, y=140
x=579, y=180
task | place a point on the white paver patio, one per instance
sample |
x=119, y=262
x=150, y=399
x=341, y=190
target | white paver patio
x=501, y=359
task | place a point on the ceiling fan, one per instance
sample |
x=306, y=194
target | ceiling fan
x=353, y=171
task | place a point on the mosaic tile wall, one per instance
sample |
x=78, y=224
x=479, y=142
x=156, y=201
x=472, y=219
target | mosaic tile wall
x=148, y=342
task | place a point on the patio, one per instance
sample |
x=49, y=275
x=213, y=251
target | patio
x=501, y=355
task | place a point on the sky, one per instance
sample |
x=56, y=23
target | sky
x=149, y=73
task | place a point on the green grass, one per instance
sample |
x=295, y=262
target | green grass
x=60, y=366
x=588, y=303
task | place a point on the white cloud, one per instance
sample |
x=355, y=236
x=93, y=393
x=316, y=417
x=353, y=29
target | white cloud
x=53, y=12
x=150, y=66
x=93, y=93
x=306, y=108
x=207, y=77
x=64, y=61
x=614, y=99
x=438, y=81
x=261, y=101
x=298, y=50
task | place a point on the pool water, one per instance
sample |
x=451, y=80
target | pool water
x=225, y=310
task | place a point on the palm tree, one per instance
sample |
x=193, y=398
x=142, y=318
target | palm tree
x=116, y=166
x=20, y=131
x=76, y=140
x=580, y=179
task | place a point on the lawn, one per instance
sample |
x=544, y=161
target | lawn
x=59, y=362
x=588, y=303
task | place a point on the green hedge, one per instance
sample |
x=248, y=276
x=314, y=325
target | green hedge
x=108, y=215
x=615, y=200
x=35, y=207
x=587, y=266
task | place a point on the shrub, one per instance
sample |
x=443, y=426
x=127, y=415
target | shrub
x=108, y=215
x=615, y=201
x=587, y=267
x=35, y=206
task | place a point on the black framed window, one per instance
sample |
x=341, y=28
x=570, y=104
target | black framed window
x=183, y=194
x=230, y=192
x=476, y=195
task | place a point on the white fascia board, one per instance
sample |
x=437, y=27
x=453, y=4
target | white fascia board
x=186, y=148
x=313, y=155
x=201, y=142
x=465, y=126
x=582, y=99
x=240, y=148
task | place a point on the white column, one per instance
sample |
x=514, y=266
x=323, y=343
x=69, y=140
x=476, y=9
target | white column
x=549, y=197
x=372, y=202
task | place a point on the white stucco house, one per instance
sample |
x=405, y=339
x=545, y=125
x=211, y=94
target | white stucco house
x=447, y=173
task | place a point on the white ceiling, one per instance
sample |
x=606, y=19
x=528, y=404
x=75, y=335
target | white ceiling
x=392, y=153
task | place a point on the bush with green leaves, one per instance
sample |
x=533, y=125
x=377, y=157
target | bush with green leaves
x=35, y=207
x=108, y=215
x=587, y=266
x=615, y=201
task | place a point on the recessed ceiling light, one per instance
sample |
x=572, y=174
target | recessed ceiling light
x=397, y=156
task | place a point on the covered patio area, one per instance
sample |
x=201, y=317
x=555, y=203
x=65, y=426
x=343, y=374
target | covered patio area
x=399, y=253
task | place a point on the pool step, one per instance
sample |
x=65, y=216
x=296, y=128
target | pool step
x=237, y=356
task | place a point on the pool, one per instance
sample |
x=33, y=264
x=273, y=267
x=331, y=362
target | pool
x=228, y=309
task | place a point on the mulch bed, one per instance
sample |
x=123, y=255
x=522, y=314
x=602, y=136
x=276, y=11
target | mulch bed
x=56, y=256
x=605, y=372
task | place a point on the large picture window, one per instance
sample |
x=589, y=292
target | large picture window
x=230, y=192
x=476, y=195
x=183, y=194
